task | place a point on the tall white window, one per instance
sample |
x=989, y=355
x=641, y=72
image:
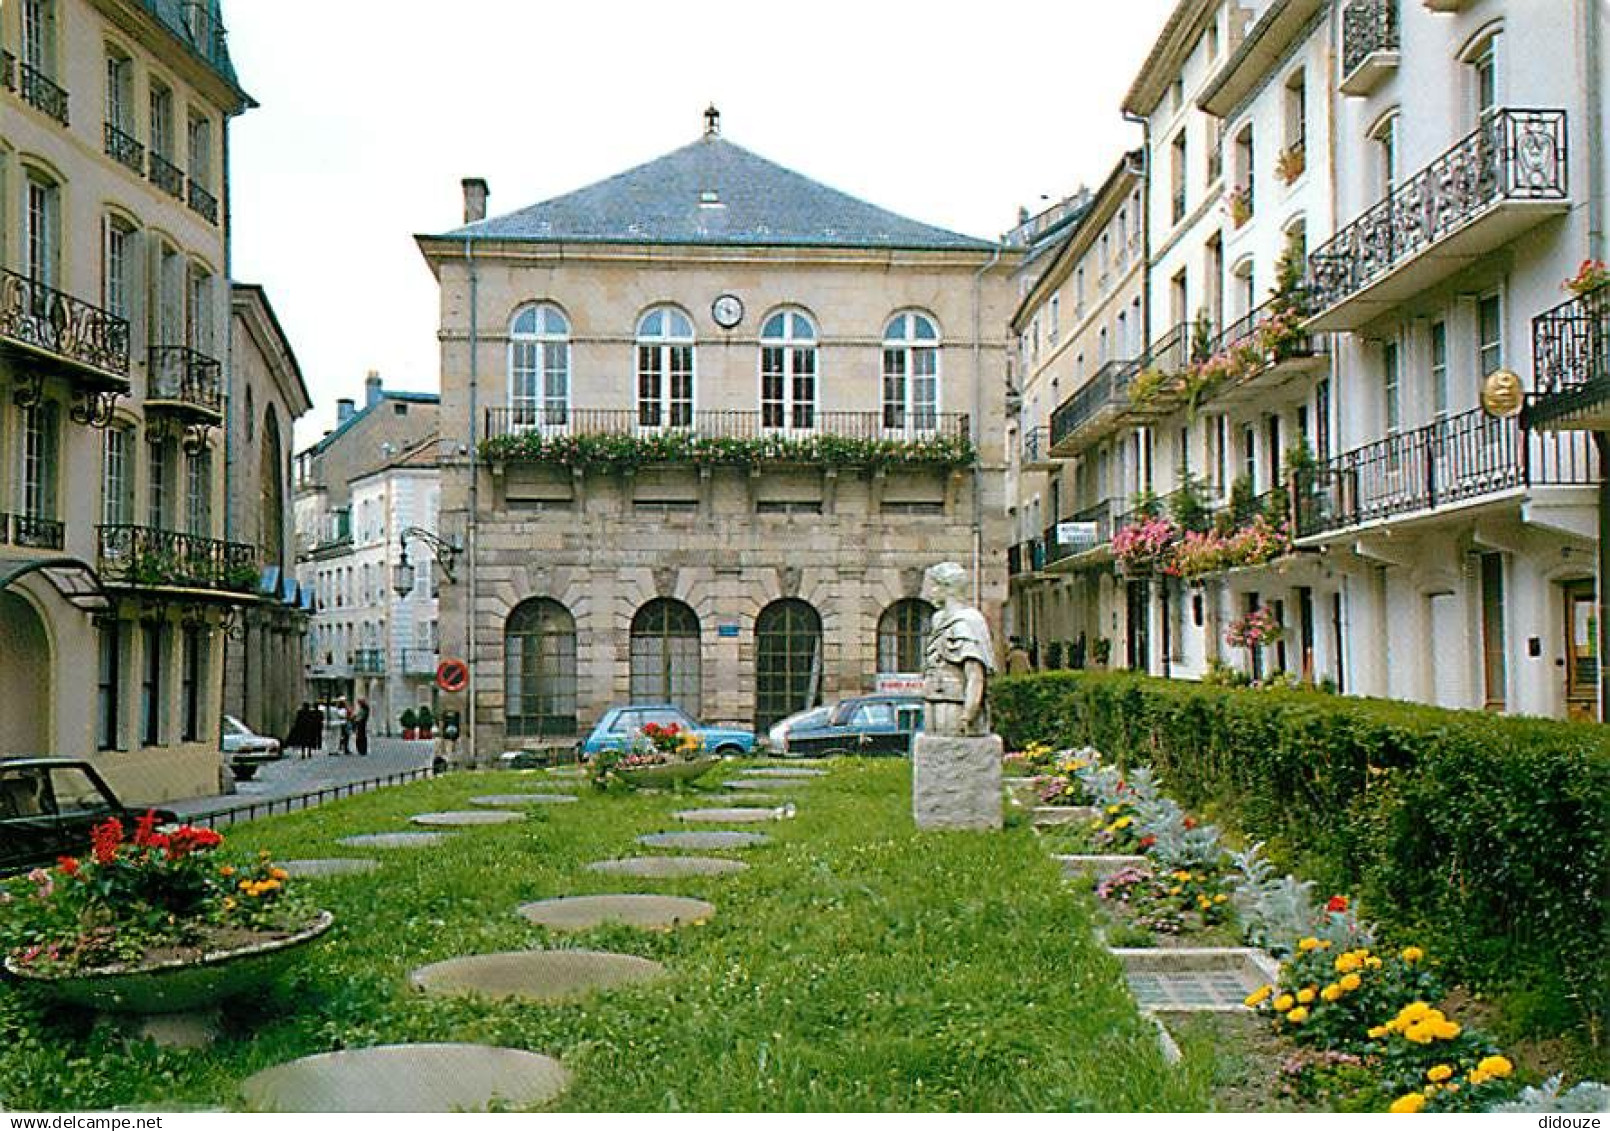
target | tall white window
x=1385, y=137
x=1439, y=369
x=161, y=121
x=539, y=367
x=1489, y=335
x=1483, y=60
x=117, y=250
x=199, y=308
x=198, y=493
x=157, y=484
x=117, y=477
x=200, y=144
x=120, y=92
x=665, y=369
x=42, y=240
x=39, y=36
x=788, y=371
x=1391, y=383
x=40, y=428
x=911, y=373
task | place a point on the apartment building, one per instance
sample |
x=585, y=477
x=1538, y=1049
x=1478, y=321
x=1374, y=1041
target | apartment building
x=116, y=581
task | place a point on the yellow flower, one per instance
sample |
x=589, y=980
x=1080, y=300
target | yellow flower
x=1376, y=1032
x=1122, y=822
x=1437, y=1073
x=1175, y=890
x=1407, y=1105
x=1419, y=1033
x=226, y=871
x=1346, y=963
x=1258, y=996
x=1373, y=962
x=1283, y=1003
x=1412, y=954
x=1298, y=1015
x=1308, y=944
x=1444, y=1030
x=1495, y=1066
x=1203, y=902
x=229, y=904
x=1112, y=809
x=1305, y=995
x=1182, y=876
x=279, y=874
x=1477, y=1077
x=1413, y=1011
x=1331, y=992
x=244, y=884
x=1220, y=898
x=1350, y=982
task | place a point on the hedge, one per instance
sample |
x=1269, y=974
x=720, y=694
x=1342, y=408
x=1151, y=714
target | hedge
x=1485, y=838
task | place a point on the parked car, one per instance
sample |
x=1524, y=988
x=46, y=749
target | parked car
x=49, y=805
x=777, y=736
x=621, y=725
x=246, y=750
x=866, y=724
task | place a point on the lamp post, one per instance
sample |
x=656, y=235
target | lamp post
x=445, y=551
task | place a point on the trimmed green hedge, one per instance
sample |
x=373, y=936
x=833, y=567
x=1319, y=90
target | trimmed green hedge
x=1485, y=838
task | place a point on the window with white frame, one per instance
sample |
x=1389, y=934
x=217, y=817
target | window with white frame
x=665, y=369
x=117, y=265
x=1482, y=59
x=119, y=91
x=199, y=136
x=1385, y=137
x=1489, y=335
x=40, y=450
x=42, y=220
x=1439, y=369
x=911, y=373
x=539, y=367
x=117, y=476
x=158, y=483
x=198, y=493
x=161, y=101
x=199, y=309
x=1391, y=386
x=39, y=36
x=788, y=371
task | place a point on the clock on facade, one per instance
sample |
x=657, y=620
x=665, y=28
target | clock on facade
x=727, y=310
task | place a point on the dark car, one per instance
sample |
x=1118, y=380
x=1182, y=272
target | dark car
x=49, y=805
x=868, y=724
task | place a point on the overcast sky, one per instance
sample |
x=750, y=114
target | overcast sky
x=373, y=110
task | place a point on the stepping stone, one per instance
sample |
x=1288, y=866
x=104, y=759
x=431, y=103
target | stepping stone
x=433, y=1078
x=567, y=772
x=752, y=784
x=393, y=840
x=667, y=867
x=738, y=816
x=535, y=975
x=496, y=799
x=784, y=772
x=651, y=912
x=466, y=817
x=739, y=798
x=334, y=866
x=704, y=840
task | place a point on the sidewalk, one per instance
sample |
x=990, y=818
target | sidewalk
x=292, y=775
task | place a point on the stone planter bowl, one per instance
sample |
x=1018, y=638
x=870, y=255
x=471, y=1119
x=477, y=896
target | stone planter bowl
x=178, y=984
x=670, y=773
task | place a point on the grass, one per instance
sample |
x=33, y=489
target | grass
x=857, y=965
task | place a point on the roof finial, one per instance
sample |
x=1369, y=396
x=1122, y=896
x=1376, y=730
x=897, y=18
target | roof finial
x=712, y=121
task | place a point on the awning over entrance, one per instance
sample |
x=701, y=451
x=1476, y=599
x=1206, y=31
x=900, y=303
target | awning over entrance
x=78, y=584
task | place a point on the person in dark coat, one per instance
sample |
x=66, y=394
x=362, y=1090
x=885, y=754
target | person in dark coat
x=307, y=731
x=360, y=726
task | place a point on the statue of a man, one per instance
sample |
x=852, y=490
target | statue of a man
x=958, y=659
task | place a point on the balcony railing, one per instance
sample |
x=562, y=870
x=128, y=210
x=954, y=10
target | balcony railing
x=369, y=661
x=1036, y=446
x=724, y=425
x=1102, y=399
x=1571, y=360
x=1513, y=156
x=183, y=378
x=69, y=331
x=202, y=202
x=39, y=92
x=1025, y=558
x=33, y=533
x=1457, y=460
x=124, y=148
x=1369, y=36
x=142, y=557
x=1058, y=548
x=167, y=176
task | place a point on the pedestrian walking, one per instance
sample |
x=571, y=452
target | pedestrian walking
x=360, y=727
x=307, y=731
x=341, y=725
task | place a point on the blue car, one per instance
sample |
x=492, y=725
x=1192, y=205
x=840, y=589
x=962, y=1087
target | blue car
x=621, y=725
x=868, y=724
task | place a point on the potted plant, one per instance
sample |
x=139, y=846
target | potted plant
x=1238, y=202
x=658, y=755
x=426, y=721
x=1101, y=651
x=153, y=922
x=1592, y=275
x=1291, y=162
x=410, y=723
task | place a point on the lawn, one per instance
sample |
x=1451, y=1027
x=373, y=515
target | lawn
x=857, y=965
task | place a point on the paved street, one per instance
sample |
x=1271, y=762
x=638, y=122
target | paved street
x=292, y=775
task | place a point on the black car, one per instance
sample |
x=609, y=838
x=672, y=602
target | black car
x=48, y=807
x=868, y=724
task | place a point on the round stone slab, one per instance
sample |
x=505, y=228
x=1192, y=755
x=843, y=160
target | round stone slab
x=434, y=1078
x=722, y=816
x=704, y=840
x=535, y=975
x=497, y=799
x=465, y=817
x=746, y=784
x=652, y=912
x=393, y=840
x=334, y=866
x=784, y=772
x=666, y=867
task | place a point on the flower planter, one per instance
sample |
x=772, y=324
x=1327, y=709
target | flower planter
x=669, y=773
x=1099, y=867
x=1195, y=979
x=178, y=984
x=1049, y=815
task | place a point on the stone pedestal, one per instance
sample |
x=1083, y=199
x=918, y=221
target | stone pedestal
x=956, y=782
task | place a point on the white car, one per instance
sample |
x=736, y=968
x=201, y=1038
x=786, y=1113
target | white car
x=777, y=737
x=246, y=750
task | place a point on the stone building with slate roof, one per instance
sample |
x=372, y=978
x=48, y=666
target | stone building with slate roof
x=705, y=423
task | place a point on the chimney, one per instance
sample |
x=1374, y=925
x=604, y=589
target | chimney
x=475, y=194
x=345, y=410
x=371, y=389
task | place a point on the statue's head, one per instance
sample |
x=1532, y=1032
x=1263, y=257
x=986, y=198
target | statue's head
x=946, y=581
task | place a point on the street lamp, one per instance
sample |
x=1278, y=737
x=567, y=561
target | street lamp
x=445, y=550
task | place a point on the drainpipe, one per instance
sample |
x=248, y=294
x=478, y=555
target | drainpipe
x=475, y=475
x=1145, y=125
x=1592, y=50
x=978, y=424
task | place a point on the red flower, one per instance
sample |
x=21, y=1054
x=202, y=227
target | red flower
x=105, y=839
x=1190, y=822
x=1337, y=903
x=144, y=829
x=187, y=839
x=1147, y=841
x=68, y=865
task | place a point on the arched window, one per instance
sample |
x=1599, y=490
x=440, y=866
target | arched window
x=271, y=504
x=902, y=633
x=665, y=369
x=910, y=373
x=788, y=371
x=539, y=367
x=539, y=648
x=788, y=661
x=665, y=655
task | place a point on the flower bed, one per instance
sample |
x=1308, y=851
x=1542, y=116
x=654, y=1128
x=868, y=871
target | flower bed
x=659, y=755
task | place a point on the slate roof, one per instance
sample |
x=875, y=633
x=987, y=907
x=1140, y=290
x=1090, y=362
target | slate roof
x=350, y=422
x=755, y=203
x=214, y=50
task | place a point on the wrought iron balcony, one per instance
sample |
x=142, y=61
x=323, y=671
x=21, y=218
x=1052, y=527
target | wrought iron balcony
x=41, y=93
x=202, y=202
x=1025, y=558
x=1093, y=409
x=32, y=533
x=1506, y=176
x=1070, y=548
x=166, y=176
x=125, y=149
x=736, y=425
x=1370, y=44
x=1285, y=354
x=143, y=557
x=1571, y=364
x=369, y=661
x=184, y=381
x=69, y=336
x=1460, y=460
x=1036, y=452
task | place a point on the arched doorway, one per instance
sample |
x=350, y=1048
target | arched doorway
x=26, y=668
x=788, y=661
x=665, y=655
